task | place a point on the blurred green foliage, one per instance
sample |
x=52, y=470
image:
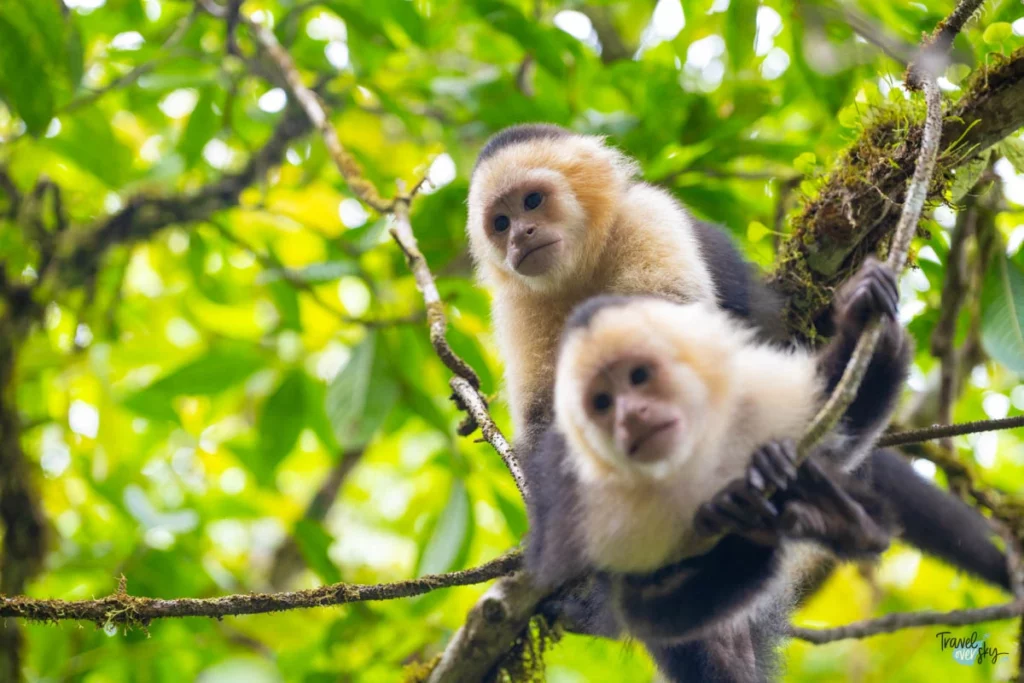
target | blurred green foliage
x=184, y=406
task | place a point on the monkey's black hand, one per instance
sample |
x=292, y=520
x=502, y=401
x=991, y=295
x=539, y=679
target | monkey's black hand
x=871, y=292
x=847, y=519
x=740, y=510
x=742, y=506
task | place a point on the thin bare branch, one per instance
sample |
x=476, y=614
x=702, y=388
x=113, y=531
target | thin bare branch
x=310, y=103
x=477, y=408
x=897, y=622
x=946, y=431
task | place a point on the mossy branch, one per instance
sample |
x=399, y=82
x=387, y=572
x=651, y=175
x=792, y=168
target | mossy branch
x=124, y=609
x=853, y=212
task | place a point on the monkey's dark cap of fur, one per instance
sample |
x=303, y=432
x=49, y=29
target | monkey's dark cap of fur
x=513, y=135
x=585, y=312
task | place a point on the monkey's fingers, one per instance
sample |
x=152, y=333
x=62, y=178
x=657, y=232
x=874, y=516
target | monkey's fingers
x=737, y=509
x=773, y=462
x=816, y=484
x=884, y=297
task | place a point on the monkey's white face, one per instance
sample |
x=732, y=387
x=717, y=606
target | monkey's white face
x=534, y=229
x=644, y=411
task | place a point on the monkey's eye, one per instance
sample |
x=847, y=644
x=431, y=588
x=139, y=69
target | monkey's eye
x=533, y=200
x=501, y=223
x=639, y=375
x=602, y=402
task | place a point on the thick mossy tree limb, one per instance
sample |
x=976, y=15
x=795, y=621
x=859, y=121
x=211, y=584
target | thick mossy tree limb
x=859, y=203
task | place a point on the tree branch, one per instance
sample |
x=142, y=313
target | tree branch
x=121, y=608
x=852, y=212
x=497, y=619
x=897, y=622
x=310, y=104
x=947, y=431
x=81, y=250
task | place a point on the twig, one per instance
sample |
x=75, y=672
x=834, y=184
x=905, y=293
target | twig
x=121, y=608
x=846, y=390
x=311, y=105
x=269, y=261
x=81, y=252
x=941, y=39
x=476, y=407
x=139, y=71
x=946, y=431
x=401, y=232
x=897, y=622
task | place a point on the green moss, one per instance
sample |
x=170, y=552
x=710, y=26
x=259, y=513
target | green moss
x=524, y=662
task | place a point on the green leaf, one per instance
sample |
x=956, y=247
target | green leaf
x=740, y=31
x=1013, y=150
x=286, y=301
x=757, y=231
x=403, y=13
x=24, y=84
x=997, y=33
x=314, y=542
x=1002, y=323
x=362, y=395
x=87, y=140
x=448, y=546
x=967, y=176
x=526, y=32
x=280, y=423
x=202, y=125
x=218, y=370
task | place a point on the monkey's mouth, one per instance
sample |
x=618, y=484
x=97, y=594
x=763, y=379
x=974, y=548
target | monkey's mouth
x=527, y=254
x=649, y=436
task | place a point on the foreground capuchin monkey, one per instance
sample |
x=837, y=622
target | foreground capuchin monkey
x=670, y=422
x=556, y=217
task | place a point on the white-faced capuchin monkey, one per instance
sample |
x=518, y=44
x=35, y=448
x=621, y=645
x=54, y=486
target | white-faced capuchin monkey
x=556, y=217
x=670, y=420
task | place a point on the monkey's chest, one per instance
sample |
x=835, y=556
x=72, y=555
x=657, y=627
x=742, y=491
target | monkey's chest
x=635, y=530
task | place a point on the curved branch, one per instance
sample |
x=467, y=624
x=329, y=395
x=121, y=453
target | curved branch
x=121, y=608
x=310, y=104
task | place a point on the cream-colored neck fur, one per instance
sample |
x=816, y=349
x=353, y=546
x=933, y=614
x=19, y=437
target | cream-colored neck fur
x=650, y=248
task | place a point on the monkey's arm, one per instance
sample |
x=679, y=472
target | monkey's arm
x=871, y=292
x=554, y=552
x=814, y=503
x=683, y=601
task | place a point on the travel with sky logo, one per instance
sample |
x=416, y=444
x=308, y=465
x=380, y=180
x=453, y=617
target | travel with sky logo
x=969, y=650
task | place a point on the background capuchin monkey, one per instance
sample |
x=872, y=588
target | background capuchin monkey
x=556, y=217
x=659, y=407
